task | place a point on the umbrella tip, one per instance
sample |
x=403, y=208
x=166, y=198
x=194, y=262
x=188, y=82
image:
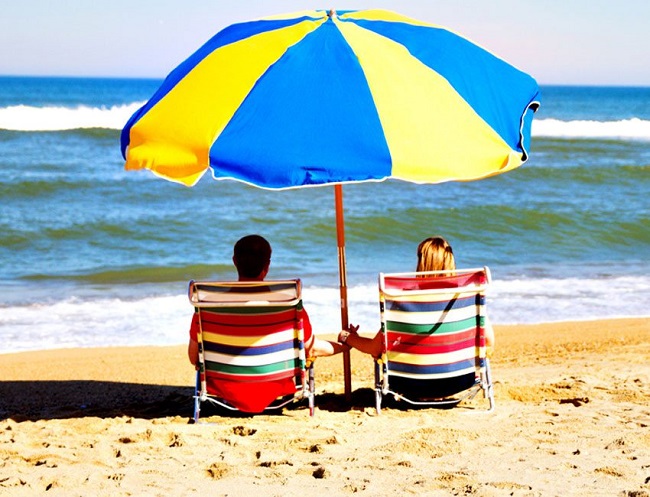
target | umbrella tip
x=331, y=13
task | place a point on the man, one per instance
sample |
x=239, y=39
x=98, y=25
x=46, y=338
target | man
x=252, y=258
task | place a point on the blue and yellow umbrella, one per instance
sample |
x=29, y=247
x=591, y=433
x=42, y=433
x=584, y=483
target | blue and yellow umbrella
x=325, y=97
x=319, y=97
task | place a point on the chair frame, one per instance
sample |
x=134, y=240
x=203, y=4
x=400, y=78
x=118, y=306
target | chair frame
x=477, y=281
x=219, y=296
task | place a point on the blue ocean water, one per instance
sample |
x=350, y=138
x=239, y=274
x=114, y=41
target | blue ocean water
x=92, y=255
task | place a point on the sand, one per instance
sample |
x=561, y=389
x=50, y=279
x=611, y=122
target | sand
x=572, y=417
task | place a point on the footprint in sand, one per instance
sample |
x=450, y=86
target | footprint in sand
x=218, y=470
x=616, y=444
x=273, y=464
x=319, y=473
x=175, y=440
x=578, y=401
x=608, y=470
x=242, y=431
x=12, y=481
x=508, y=485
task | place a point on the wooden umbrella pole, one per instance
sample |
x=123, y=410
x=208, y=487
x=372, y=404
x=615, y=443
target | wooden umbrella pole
x=343, y=285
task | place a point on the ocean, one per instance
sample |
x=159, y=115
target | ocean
x=92, y=255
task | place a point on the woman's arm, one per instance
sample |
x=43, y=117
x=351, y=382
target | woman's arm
x=372, y=346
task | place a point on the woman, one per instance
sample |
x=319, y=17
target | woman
x=434, y=254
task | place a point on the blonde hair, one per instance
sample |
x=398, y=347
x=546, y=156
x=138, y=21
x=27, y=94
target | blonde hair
x=435, y=254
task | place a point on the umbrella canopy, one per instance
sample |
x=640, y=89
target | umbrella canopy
x=331, y=97
x=320, y=97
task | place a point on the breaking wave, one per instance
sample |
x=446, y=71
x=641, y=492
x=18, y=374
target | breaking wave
x=59, y=118
x=54, y=118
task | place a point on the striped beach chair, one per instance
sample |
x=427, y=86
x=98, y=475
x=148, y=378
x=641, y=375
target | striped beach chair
x=251, y=345
x=434, y=337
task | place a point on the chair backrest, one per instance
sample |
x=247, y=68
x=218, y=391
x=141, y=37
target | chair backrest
x=250, y=331
x=433, y=323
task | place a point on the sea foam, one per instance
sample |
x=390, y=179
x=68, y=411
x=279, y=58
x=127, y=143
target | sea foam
x=56, y=118
x=164, y=319
x=634, y=129
x=28, y=118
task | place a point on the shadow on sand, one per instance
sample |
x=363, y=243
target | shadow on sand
x=38, y=400
x=35, y=400
x=43, y=400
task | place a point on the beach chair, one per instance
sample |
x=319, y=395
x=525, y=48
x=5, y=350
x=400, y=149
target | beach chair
x=434, y=338
x=251, y=346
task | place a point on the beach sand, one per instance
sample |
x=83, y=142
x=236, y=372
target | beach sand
x=572, y=417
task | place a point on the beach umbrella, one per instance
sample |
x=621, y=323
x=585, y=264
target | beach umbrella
x=326, y=97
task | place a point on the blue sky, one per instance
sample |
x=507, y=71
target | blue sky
x=591, y=42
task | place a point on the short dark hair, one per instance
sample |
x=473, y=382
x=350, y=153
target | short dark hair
x=252, y=255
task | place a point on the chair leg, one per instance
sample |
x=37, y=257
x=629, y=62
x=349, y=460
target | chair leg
x=197, y=400
x=378, y=388
x=312, y=393
x=488, y=389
